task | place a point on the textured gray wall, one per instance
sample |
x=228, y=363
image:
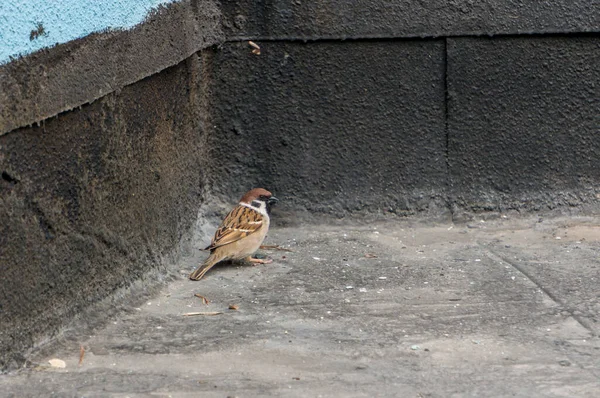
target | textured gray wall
x=329, y=129
x=386, y=122
x=93, y=199
x=410, y=125
x=359, y=19
x=524, y=122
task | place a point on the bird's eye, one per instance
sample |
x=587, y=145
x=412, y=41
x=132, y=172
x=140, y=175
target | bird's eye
x=262, y=197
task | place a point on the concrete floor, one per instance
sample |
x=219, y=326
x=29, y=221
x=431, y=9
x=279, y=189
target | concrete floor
x=507, y=307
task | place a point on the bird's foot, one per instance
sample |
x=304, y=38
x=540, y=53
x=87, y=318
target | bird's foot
x=255, y=261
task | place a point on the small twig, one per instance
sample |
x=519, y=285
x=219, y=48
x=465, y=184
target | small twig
x=204, y=299
x=81, y=354
x=275, y=247
x=202, y=313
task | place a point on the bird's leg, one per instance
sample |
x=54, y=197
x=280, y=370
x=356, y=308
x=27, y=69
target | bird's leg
x=255, y=261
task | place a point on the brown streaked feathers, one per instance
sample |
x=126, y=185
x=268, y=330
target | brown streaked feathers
x=239, y=223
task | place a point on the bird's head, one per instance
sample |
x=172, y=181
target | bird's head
x=259, y=198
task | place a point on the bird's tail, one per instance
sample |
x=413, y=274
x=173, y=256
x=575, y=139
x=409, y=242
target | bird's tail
x=206, y=266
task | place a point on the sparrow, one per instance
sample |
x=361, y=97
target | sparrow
x=241, y=233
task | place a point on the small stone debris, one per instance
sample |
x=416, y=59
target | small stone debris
x=275, y=247
x=415, y=347
x=233, y=307
x=57, y=363
x=362, y=290
x=564, y=362
x=371, y=255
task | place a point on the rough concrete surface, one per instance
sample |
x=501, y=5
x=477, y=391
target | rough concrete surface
x=336, y=127
x=506, y=307
x=309, y=20
x=93, y=200
x=69, y=75
x=523, y=122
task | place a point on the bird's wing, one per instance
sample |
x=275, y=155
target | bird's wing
x=239, y=223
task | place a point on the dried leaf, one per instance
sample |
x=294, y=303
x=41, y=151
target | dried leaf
x=202, y=313
x=204, y=299
x=233, y=307
x=81, y=354
x=371, y=255
x=275, y=247
x=57, y=363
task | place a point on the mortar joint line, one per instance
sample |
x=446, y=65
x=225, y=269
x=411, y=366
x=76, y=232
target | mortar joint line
x=447, y=130
x=408, y=37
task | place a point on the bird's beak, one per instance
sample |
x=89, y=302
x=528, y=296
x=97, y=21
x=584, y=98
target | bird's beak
x=272, y=200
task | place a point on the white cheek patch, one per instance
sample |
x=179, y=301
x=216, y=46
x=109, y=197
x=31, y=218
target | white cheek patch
x=257, y=205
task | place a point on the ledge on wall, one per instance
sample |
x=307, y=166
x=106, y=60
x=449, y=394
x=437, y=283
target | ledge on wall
x=54, y=80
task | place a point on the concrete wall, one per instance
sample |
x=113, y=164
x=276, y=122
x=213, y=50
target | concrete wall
x=360, y=19
x=328, y=137
x=94, y=199
x=58, y=79
x=351, y=107
x=411, y=125
x=524, y=122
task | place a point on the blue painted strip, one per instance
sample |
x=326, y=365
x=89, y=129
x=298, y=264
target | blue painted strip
x=30, y=25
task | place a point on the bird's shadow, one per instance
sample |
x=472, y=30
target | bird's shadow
x=228, y=264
